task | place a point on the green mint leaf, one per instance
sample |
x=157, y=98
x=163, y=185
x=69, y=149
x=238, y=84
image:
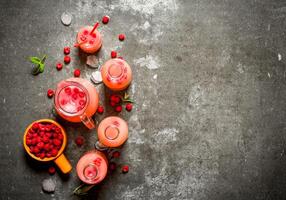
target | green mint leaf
x=39, y=64
x=82, y=189
x=128, y=100
x=35, y=60
x=126, y=96
x=41, y=67
x=35, y=70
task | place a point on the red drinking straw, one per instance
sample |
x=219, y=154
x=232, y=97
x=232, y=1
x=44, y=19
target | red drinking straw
x=95, y=26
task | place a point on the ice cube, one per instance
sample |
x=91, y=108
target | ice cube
x=48, y=185
x=96, y=77
x=66, y=18
x=92, y=61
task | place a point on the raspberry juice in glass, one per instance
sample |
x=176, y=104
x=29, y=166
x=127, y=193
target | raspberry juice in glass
x=76, y=100
x=92, y=167
x=89, y=39
x=112, y=132
x=116, y=74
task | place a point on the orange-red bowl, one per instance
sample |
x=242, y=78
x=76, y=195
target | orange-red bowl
x=63, y=144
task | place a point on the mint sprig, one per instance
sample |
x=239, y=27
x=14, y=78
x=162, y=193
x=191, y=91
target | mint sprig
x=127, y=99
x=39, y=64
x=82, y=189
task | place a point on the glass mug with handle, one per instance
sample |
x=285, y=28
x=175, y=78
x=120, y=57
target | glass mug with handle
x=76, y=100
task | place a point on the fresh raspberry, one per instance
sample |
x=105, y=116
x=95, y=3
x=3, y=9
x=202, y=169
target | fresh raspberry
x=105, y=19
x=74, y=96
x=68, y=91
x=79, y=140
x=48, y=135
x=42, y=155
x=116, y=154
x=76, y=73
x=128, y=107
x=97, y=162
x=46, y=139
x=118, y=108
x=59, y=66
x=30, y=133
x=125, y=169
x=54, y=152
x=55, y=135
x=67, y=59
x=29, y=136
x=60, y=137
x=52, y=170
x=40, y=145
x=50, y=93
x=36, y=150
x=113, y=54
x=34, y=141
x=41, y=134
x=76, y=90
x=81, y=94
x=112, y=103
x=38, y=139
x=57, y=142
x=117, y=99
x=35, y=126
x=28, y=142
x=112, y=166
x=120, y=57
x=82, y=102
x=112, y=97
x=58, y=130
x=121, y=37
x=100, y=109
x=47, y=147
x=51, y=146
x=42, y=128
x=48, y=155
x=67, y=50
x=47, y=128
x=53, y=128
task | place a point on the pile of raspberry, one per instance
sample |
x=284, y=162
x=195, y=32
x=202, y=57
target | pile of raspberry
x=44, y=140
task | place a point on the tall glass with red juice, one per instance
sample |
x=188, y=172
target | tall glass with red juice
x=76, y=100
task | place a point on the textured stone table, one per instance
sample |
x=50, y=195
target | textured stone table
x=209, y=86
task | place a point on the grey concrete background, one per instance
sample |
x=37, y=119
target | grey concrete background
x=209, y=86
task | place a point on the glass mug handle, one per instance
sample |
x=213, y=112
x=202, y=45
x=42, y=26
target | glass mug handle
x=100, y=146
x=88, y=121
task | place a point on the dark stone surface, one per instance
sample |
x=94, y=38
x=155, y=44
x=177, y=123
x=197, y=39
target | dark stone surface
x=209, y=118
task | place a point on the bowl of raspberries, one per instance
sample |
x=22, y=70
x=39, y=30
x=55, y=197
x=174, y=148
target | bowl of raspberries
x=45, y=140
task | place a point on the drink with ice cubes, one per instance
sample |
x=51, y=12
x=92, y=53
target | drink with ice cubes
x=76, y=100
x=89, y=41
